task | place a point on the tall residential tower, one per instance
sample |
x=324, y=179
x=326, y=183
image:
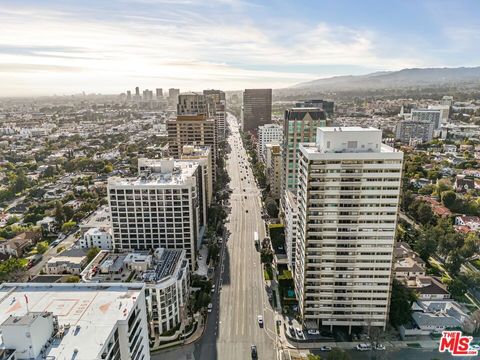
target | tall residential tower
x=348, y=195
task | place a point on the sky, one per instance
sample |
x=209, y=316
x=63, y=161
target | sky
x=64, y=47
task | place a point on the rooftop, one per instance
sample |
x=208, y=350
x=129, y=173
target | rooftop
x=82, y=310
x=138, y=266
x=162, y=172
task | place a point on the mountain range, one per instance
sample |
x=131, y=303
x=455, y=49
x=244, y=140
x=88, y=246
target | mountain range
x=406, y=78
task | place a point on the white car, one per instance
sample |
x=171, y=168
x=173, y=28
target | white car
x=325, y=348
x=260, y=320
x=313, y=332
x=299, y=332
x=213, y=288
x=210, y=307
x=363, y=347
x=380, y=347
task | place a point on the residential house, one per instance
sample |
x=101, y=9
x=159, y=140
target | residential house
x=19, y=244
x=471, y=222
x=463, y=184
x=437, y=208
x=68, y=262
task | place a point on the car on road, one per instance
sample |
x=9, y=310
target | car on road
x=210, y=307
x=213, y=288
x=313, y=332
x=291, y=330
x=362, y=347
x=380, y=347
x=299, y=333
x=253, y=350
x=260, y=320
x=325, y=348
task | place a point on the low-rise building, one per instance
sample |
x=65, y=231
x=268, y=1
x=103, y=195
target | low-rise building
x=463, y=184
x=407, y=263
x=68, y=262
x=471, y=222
x=73, y=321
x=165, y=273
x=97, y=237
x=19, y=244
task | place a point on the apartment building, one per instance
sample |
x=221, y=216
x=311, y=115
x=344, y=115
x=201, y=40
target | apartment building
x=147, y=167
x=257, y=108
x=300, y=125
x=160, y=209
x=290, y=221
x=97, y=237
x=74, y=321
x=166, y=276
x=348, y=195
x=327, y=106
x=217, y=108
x=202, y=155
x=418, y=130
x=268, y=134
x=196, y=130
x=191, y=103
x=273, y=168
x=433, y=116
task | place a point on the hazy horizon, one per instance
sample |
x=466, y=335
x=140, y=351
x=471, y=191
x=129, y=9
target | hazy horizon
x=109, y=47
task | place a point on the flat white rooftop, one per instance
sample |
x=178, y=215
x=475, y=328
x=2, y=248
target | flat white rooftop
x=96, y=308
x=180, y=172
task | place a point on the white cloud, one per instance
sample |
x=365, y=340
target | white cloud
x=178, y=47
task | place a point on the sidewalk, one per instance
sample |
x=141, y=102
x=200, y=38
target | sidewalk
x=286, y=342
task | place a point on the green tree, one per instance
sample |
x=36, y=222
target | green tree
x=454, y=262
x=426, y=243
x=448, y=198
x=266, y=256
x=68, y=226
x=91, y=253
x=424, y=213
x=470, y=245
x=442, y=185
x=458, y=286
x=42, y=247
x=400, y=304
x=271, y=207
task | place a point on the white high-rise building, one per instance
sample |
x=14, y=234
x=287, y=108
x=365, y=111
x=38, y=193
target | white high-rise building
x=268, y=134
x=74, y=321
x=162, y=208
x=166, y=276
x=203, y=155
x=348, y=195
x=291, y=218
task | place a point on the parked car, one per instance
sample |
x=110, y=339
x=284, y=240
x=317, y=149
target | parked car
x=380, y=347
x=299, y=332
x=213, y=288
x=210, y=307
x=325, y=348
x=313, y=332
x=363, y=347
